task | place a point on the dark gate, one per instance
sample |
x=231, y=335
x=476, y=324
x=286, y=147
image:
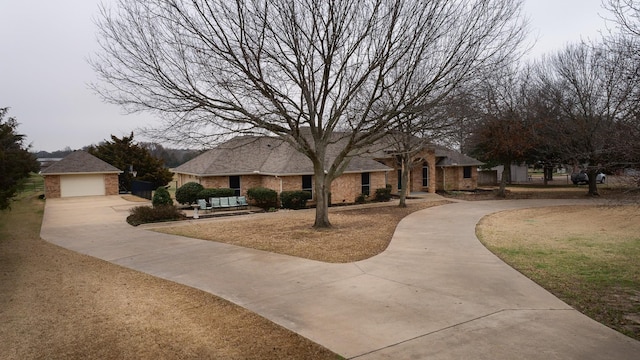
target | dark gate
x=143, y=189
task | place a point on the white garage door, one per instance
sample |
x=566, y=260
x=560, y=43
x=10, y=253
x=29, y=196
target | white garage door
x=81, y=185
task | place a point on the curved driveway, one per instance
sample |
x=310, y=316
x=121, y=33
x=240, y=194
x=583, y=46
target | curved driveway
x=435, y=293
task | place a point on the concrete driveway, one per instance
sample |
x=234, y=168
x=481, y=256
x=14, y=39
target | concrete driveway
x=435, y=293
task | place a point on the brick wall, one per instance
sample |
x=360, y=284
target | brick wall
x=111, y=184
x=271, y=182
x=213, y=182
x=52, y=186
x=182, y=179
x=249, y=181
x=452, y=178
x=343, y=189
x=415, y=175
x=347, y=187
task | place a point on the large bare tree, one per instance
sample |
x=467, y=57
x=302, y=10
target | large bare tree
x=626, y=15
x=506, y=132
x=315, y=73
x=593, y=87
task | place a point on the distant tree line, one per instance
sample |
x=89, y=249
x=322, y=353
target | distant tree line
x=579, y=106
x=170, y=157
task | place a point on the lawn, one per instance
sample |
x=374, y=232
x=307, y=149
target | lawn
x=58, y=304
x=587, y=256
x=359, y=232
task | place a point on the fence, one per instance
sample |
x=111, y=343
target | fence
x=143, y=189
x=487, y=177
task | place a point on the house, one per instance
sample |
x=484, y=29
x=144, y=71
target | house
x=80, y=174
x=434, y=168
x=250, y=161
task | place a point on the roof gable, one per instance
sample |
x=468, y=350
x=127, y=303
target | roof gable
x=448, y=157
x=80, y=162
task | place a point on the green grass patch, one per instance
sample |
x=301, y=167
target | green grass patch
x=593, y=265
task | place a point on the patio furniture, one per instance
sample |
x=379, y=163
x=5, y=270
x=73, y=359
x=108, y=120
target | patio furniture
x=242, y=201
x=203, y=205
x=215, y=202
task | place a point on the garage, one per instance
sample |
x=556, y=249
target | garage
x=82, y=185
x=80, y=174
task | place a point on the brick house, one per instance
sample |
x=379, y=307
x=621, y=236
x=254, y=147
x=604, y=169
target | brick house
x=454, y=170
x=434, y=167
x=249, y=161
x=80, y=174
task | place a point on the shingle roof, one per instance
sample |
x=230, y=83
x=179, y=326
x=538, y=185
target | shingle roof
x=448, y=157
x=383, y=149
x=80, y=162
x=265, y=155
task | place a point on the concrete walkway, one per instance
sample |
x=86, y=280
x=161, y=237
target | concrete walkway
x=435, y=293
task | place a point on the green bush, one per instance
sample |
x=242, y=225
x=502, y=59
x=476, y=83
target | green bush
x=146, y=214
x=161, y=197
x=221, y=192
x=383, y=194
x=361, y=199
x=294, y=199
x=188, y=193
x=263, y=198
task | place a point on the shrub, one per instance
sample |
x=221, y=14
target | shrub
x=383, y=194
x=145, y=214
x=361, y=199
x=294, y=199
x=161, y=197
x=188, y=193
x=221, y=192
x=263, y=198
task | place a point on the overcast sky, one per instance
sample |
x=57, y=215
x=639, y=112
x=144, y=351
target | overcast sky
x=44, y=74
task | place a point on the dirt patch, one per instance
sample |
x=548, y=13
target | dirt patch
x=358, y=232
x=58, y=304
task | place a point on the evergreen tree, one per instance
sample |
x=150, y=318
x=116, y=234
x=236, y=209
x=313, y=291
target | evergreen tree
x=15, y=160
x=134, y=160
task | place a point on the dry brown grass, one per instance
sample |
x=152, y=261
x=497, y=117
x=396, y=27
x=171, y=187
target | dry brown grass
x=58, y=304
x=585, y=255
x=358, y=232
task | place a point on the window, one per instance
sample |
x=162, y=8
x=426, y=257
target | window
x=307, y=184
x=466, y=172
x=425, y=175
x=365, y=183
x=234, y=183
x=399, y=179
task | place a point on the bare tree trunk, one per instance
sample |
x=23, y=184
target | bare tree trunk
x=506, y=173
x=404, y=180
x=323, y=189
x=547, y=173
x=593, y=184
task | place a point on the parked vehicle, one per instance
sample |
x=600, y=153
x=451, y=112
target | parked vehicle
x=600, y=177
x=582, y=177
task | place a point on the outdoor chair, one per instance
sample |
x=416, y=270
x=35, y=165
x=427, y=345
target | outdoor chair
x=224, y=202
x=242, y=201
x=233, y=202
x=215, y=202
x=203, y=205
